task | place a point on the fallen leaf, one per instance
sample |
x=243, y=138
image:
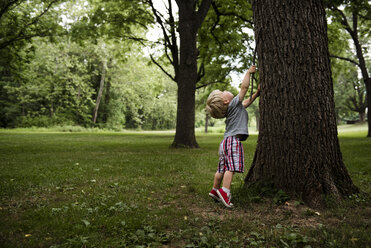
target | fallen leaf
x=87, y=223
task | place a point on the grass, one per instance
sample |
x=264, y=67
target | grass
x=103, y=189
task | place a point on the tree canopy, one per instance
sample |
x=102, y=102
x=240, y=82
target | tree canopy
x=55, y=54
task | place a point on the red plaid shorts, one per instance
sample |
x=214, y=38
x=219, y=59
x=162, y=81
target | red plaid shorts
x=231, y=155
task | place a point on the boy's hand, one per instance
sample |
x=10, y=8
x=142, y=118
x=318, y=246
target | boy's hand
x=252, y=69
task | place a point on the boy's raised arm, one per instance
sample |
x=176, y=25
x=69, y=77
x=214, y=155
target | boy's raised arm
x=250, y=100
x=246, y=82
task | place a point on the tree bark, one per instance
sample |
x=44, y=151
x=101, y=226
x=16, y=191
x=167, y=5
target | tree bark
x=100, y=92
x=298, y=149
x=189, y=22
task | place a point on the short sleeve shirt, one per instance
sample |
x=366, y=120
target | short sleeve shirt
x=236, y=120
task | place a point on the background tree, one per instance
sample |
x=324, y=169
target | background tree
x=298, y=149
x=355, y=19
x=183, y=59
x=345, y=77
x=225, y=22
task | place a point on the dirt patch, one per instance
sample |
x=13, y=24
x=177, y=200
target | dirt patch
x=265, y=213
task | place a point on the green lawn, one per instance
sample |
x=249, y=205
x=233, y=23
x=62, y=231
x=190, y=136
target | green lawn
x=102, y=189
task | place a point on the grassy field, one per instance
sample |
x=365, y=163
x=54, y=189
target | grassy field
x=102, y=189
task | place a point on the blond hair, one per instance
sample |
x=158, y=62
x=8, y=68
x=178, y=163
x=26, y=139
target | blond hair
x=215, y=105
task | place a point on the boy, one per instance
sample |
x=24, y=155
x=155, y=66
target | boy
x=231, y=156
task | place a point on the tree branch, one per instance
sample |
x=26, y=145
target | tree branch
x=201, y=72
x=20, y=35
x=219, y=14
x=37, y=18
x=160, y=22
x=346, y=59
x=204, y=85
x=6, y=7
x=216, y=23
x=173, y=47
x=217, y=80
x=202, y=12
x=344, y=21
x=217, y=11
x=168, y=43
x=162, y=69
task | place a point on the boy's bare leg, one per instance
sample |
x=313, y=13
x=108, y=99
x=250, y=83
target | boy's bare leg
x=227, y=180
x=217, y=180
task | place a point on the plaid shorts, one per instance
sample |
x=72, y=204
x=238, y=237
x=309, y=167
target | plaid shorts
x=231, y=155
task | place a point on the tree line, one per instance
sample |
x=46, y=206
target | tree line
x=88, y=63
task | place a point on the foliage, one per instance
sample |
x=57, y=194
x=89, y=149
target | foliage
x=227, y=22
x=47, y=83
x=59, y=85
x=53, y=53
x=21, y=20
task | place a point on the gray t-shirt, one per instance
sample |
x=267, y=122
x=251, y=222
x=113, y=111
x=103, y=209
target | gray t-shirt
x=236, y=120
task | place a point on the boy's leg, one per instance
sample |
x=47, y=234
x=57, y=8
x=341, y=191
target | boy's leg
x=217, y=180
x=224, y=193
x=227, y=180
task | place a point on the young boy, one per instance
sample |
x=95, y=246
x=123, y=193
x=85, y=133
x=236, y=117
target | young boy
x=231, y=156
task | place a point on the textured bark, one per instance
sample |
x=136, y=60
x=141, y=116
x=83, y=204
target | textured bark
x=298, y=149
x=186, y=76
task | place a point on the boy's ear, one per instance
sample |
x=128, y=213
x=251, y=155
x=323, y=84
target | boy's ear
x=226, y=101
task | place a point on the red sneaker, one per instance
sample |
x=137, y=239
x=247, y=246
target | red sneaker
x=214, y=195
x=224, y=198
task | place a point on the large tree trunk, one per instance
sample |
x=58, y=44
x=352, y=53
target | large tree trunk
x=189, y=22
x=298, y=148
x=187, y=78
